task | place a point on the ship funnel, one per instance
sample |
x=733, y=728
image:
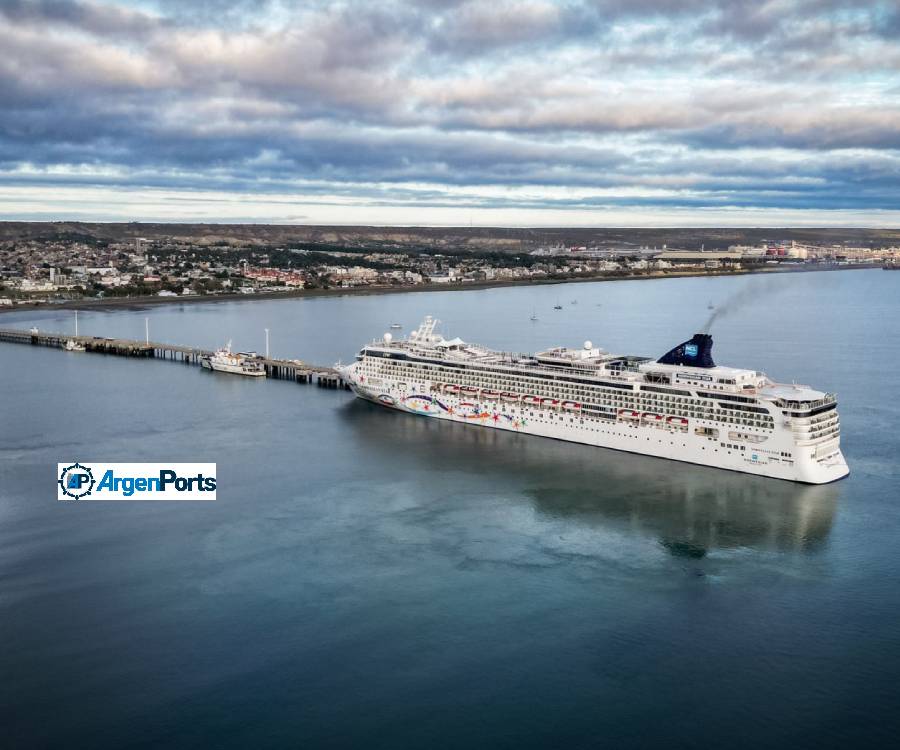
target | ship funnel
x=694, y=353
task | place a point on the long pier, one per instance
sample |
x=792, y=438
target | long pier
x=278, y=369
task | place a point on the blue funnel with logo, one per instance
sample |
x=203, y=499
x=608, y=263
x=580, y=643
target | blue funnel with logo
x=694, y=353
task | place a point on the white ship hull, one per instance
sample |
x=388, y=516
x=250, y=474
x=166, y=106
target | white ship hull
x=658, y=440
x=233, y=369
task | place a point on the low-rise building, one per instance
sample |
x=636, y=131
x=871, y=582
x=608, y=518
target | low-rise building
x=699, y=257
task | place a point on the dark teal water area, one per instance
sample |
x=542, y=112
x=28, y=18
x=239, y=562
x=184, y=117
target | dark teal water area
x=370, y=579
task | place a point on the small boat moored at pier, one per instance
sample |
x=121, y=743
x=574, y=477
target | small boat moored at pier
x=224, y=360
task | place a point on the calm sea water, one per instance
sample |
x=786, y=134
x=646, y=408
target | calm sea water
x=370, y=579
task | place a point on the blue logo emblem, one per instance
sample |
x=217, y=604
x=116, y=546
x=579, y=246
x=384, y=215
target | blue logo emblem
x=690, y=350
x=76, y=481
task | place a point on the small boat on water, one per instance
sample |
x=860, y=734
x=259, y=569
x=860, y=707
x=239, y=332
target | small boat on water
x=557, y=306
x=74, y=346
x=236, y=363
x=396, y=326
x=710, y=306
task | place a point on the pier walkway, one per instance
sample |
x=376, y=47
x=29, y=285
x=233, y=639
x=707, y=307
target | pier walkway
x=280, y=369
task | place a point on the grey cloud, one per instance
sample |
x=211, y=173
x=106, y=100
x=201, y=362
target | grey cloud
x=222, y=13
x=89, y=17
x=353, y=99
x=477, y=28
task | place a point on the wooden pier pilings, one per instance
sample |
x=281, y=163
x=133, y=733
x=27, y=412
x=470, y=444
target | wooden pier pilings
x=277, y=369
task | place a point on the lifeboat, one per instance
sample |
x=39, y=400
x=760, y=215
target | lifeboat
x=628, y=414
x=551, y=402
x=507, y=396
x=651, y=417
x=677, y=421
x=571, y=405
x=450, y=388
x=468, y=390
x=489, y=393
x=531, y=399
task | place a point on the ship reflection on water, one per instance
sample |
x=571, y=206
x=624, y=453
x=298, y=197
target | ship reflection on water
x=690, y=510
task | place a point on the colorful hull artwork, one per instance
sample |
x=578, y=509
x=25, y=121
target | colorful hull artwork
x=431, y=407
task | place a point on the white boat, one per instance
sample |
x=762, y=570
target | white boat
x=74, y=346
x=681, y=406
x=237, y=363
x=396, y=326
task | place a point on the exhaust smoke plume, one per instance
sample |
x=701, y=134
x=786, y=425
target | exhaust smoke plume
x=744, y=298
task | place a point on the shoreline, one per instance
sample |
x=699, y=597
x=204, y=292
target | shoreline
x=113, y=302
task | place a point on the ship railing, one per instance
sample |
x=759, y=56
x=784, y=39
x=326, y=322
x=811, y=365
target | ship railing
x=506, y=361
x=828, y=398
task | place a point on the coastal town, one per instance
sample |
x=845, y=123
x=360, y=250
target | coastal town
x=61, y=269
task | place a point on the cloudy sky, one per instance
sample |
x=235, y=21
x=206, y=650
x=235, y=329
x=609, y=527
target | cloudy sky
x=576, y=112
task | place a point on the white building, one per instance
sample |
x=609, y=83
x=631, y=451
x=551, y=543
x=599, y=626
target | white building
x=33, y=285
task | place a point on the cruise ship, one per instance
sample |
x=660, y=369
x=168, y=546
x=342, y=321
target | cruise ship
x=681, y=406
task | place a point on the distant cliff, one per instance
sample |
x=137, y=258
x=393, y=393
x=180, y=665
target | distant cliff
x=435, y=238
